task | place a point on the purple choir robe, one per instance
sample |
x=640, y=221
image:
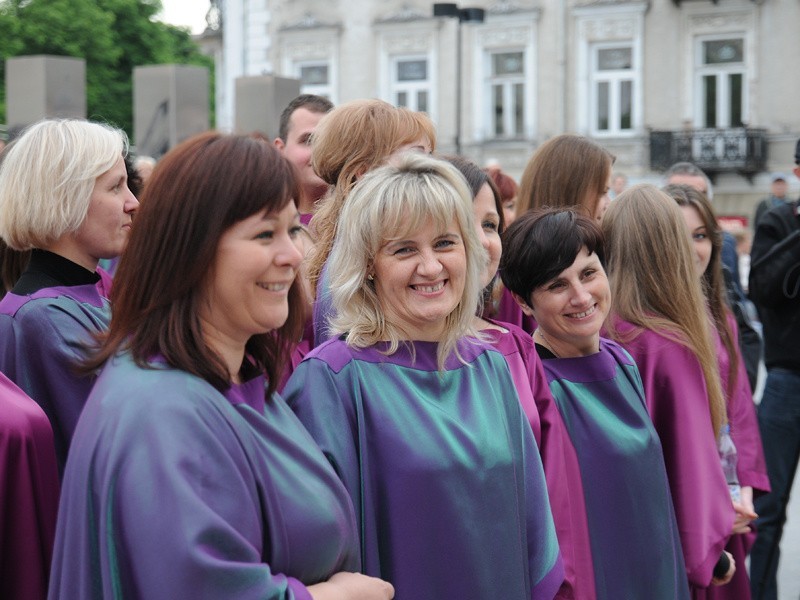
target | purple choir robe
x=559, y=459
x=442, y=468
x=28, y=495
x=43, y=336
x=175, y=490
x=677, y=401
x=751, y=466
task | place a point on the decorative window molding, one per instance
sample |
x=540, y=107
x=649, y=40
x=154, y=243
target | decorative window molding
x=708, y=38
x=407, y=66
x=309, y=51
x=504, y=75
x=609, y=80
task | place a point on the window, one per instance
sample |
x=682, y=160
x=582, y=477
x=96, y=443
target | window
x=314, y=78
x=507, y=93
x=410, y=85
x=612, y=89
x=721, y=83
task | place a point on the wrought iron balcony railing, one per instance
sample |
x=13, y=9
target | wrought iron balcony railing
x=741, y=149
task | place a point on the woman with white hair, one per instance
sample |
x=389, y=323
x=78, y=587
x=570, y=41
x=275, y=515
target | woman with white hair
x=420, y=420
x=63, y=195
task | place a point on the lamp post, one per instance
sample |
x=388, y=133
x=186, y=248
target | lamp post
x=464, y=15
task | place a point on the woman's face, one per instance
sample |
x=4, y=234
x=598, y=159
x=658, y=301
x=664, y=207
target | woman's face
x=603, y=200
x=509, y=210
x=255, y=264
x=487, y=224
x=571, y=308
x=104, y=232
x=419, y=279
x=701, y=239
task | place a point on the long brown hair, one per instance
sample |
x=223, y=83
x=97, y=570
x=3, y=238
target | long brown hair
x=200, y=189
x=349, y=141
x=713, y=280
x=653, y=281
x=566, y=171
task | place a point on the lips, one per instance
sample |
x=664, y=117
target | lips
x=429, y=289
x=582, y=315
x=274, y=287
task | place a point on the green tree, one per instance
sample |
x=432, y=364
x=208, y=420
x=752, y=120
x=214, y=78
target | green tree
x=113, y=36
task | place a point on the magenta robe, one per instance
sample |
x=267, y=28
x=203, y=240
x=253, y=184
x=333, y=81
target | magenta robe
x=751, y=467
x=560, y=462
x=508, y=311
x=28, y=495
x=677, y=400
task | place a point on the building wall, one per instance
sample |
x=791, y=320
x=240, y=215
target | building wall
x=555, y=55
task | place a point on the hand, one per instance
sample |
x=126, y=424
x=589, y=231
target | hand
x=744, y=511
x=729, y=575
x=352, y=586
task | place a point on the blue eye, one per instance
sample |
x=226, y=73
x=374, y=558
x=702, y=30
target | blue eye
x=490, y=226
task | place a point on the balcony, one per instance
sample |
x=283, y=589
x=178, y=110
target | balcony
x=739, y=150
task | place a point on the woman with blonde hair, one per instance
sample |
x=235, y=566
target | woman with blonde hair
x=63, y=195
x=350, y=141
x=658, y=315
x=750, y=474
x=567, y=171
x=420, y=420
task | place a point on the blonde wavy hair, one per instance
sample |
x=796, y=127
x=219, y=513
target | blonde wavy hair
x=386, y=205
x=653, y=281
x=349, y=141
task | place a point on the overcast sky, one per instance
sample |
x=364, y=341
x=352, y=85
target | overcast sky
x=188, y=13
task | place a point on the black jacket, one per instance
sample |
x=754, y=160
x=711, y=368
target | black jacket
x=775, y=284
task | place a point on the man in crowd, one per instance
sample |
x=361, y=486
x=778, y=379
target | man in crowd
x=298, y=122
x=777, y=196
x=775, y=289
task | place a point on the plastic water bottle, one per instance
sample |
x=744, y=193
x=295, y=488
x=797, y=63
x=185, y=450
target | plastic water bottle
x=728, y=457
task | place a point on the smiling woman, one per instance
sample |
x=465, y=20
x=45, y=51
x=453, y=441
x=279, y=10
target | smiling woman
x=420, y=420
x=189, y=364
x=553, y=264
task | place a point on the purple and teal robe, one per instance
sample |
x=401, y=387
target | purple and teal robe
x=561, y=469
x=633, y=533
x=46, y=323
x=442, y=468
x=175, y=490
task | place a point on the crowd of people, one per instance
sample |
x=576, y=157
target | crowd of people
x=341, y=366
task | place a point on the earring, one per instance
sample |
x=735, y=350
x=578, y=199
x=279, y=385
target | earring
x=370, y=276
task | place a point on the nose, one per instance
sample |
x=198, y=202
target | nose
x=482, y=235
x=131, y=203
x=429, y=265
x=581, y=296
x=291, y=251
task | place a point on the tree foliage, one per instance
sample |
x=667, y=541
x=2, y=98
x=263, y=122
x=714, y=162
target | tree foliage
x=113, y=36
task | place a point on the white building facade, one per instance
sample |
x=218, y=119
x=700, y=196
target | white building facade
x=654, y=81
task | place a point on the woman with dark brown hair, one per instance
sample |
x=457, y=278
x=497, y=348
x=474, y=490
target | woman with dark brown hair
x=188, y=477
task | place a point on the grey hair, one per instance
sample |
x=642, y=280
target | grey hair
x=687, y=168
x=385, y=205
x=47, y=177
